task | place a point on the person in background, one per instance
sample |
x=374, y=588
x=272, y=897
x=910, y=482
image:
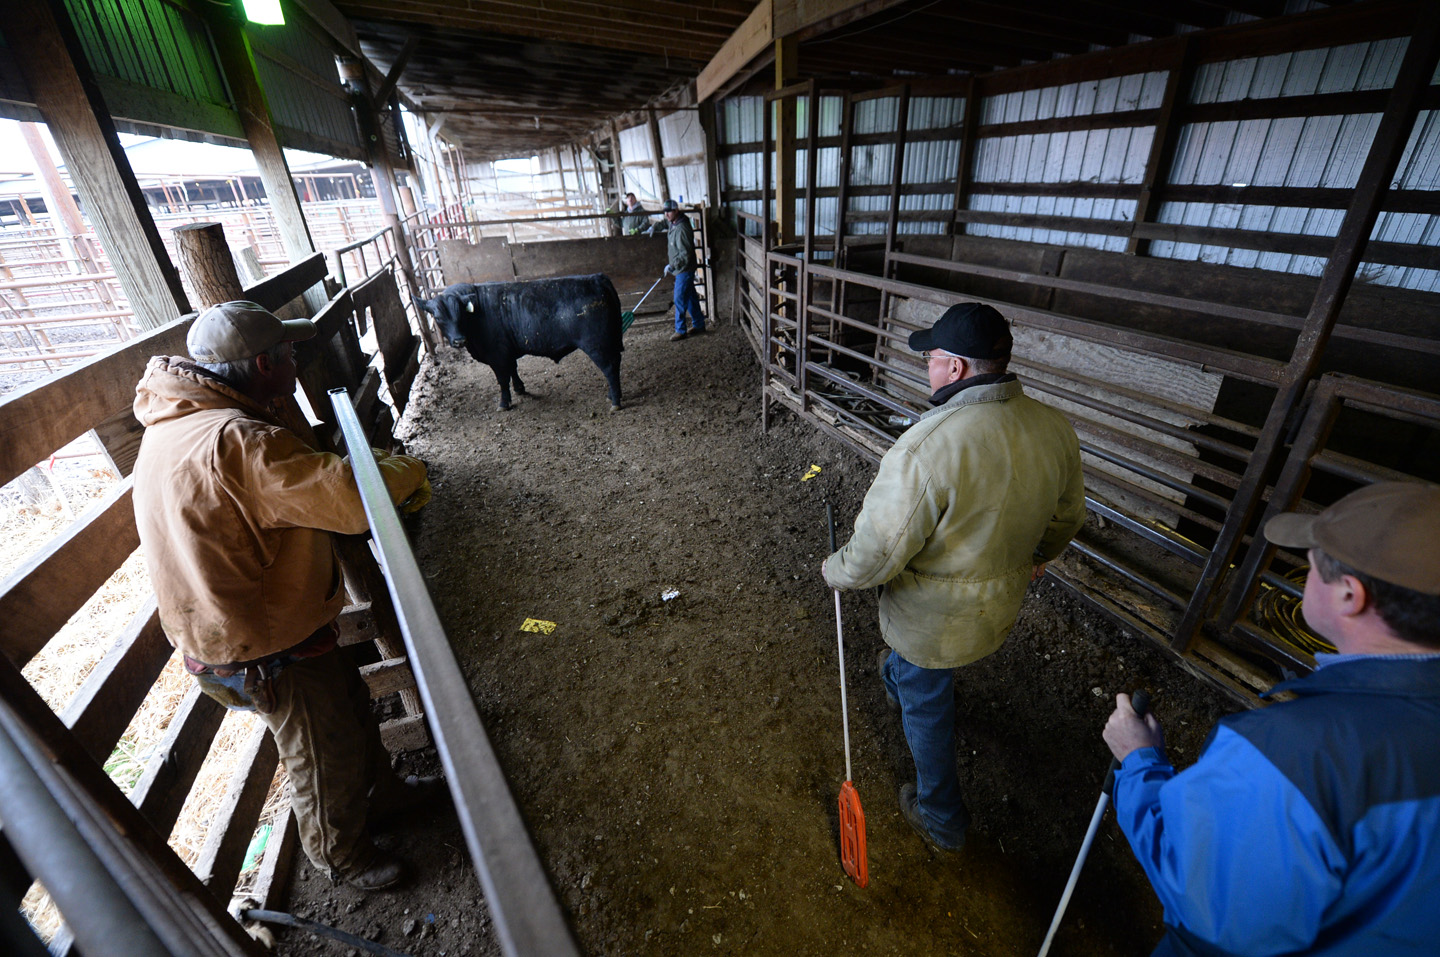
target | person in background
x=235, y=514
x=1312, y=826
x=681, y=246
x=636, y=219
x=967, y=507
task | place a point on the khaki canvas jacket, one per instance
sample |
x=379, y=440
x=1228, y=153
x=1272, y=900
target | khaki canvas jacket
x=681, y=244
x=965, y=503
x=235, y=515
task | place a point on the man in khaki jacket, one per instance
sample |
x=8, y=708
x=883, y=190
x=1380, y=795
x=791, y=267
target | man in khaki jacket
x=235, y=515
x=968, y=506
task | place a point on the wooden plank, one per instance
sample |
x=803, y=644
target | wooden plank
x=356, y=624
x=274, y=876
x=161, y=791
x=388, y=676
x=277, y=290
x=367, y=399
x=55, y=69
x=400, y=388
x=56, y=581
x=749, y=40
x=381, y=297
x=120, y=437
x=657, y=155
x=404, y=734
x=103, y=707
x=1070, y=124
x=232, y=823
x=37, y=420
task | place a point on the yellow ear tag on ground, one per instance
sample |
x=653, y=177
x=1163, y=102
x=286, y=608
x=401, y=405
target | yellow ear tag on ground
x=538, y=625
x=814, y=471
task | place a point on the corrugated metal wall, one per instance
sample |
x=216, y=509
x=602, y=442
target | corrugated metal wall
x=1298, y=152
x=296, y=65
x=1294, y=152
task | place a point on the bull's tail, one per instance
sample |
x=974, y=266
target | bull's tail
x=612, y=307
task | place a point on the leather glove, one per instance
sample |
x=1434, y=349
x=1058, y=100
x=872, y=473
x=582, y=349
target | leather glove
x=418, y=500
x=669, y=270
x=403, y=474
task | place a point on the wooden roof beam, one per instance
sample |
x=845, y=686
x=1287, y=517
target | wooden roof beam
x=776, y=19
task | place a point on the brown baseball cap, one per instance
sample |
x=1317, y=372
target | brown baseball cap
x=1389, y=531
x=233, y=331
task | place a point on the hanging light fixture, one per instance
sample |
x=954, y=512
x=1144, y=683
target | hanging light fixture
x=264, y=11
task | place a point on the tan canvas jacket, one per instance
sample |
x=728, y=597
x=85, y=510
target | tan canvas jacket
x=966, y=502
x=235, y=514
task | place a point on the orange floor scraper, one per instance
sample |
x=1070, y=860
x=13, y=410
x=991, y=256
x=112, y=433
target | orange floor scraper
x=852, y=815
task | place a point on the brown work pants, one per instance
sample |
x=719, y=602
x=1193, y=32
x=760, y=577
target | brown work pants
x=330, y=742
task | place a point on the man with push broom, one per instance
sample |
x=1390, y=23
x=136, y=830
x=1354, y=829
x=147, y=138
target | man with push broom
x=967, y=507
x=1313, y=826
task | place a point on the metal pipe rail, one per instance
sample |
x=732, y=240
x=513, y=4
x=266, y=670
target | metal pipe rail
x=528, y=920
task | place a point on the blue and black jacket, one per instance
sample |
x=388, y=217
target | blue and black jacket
x=1308, y=827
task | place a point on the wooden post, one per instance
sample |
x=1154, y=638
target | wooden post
x=709, y=121
x=53, y=65
x=619, y=173
x=965, y=163
x=787, y=51
x=206, y=262
x=1162, y=145
x=237, y=60
x=1396, y=124
x=812, y=137
x=560, y=171
x=902, y=122
x=662, y=182
x=842, y=197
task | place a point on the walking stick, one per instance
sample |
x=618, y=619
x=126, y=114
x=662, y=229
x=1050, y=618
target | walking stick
x=1140, y=701
x=852, y=816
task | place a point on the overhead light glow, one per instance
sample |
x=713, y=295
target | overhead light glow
x=264, y=11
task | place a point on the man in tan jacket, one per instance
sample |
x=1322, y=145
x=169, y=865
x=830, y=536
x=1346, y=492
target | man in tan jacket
x=967, y=507
x=236, y=514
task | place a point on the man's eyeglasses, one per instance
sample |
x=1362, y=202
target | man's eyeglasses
x=935, y=354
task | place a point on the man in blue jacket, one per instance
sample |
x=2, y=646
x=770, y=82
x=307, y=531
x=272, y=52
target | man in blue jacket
x=1313, y=826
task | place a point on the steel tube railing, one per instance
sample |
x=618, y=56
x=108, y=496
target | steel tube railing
x=527, y=917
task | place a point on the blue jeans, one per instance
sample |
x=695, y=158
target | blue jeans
x=927, y=709
x=687, y=301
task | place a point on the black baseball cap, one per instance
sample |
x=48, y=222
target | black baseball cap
x=970, y=329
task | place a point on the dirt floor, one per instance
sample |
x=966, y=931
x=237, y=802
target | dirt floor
x=678, y=761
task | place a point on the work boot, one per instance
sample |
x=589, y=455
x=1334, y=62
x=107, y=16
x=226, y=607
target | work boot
x=697, y=330
x=677, y=337
x=891, y=702
x=383, y=871
x=910, y=810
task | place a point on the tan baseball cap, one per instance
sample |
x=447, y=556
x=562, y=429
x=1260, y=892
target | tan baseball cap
x=238, y=330
x=1389, y=531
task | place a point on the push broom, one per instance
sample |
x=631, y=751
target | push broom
x=852, y=816
x=628, y=316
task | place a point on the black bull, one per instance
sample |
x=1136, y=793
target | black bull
x=498, y=322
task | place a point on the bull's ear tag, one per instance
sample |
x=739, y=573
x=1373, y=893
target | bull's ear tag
x=469, y=307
